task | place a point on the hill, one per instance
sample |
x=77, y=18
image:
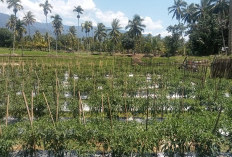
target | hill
x=41, y=27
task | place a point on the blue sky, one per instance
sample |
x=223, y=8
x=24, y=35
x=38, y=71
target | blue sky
x=154, y=12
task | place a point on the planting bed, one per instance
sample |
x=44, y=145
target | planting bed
x=89, y=104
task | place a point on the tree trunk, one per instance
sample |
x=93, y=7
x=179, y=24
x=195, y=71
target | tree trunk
x=230, y=29
x=56, y=44
x=77, y=36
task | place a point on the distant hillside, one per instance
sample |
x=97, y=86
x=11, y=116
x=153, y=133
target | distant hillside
x=42, y=27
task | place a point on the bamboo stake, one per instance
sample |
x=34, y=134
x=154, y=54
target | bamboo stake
x=23, y=66
x=111, y=123
x=74, y=87
x=102, y=110
x=57, y=100
x=79, y=105
x=50, y=113
x=147, y=110
x=28, y=112
x=38, y=82
x=0, y=130
x=3, y=70
x=7, y=109
x=125, y=107
x=83, y=112
x=32, y=107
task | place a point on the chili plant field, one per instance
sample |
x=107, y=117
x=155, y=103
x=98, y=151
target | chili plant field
x=83, y=105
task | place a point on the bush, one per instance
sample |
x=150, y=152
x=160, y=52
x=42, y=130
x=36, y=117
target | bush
x=6, y=37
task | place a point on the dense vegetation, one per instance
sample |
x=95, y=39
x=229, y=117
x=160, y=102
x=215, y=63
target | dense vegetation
x=87, y=104
x=206, y=25
x=69, y=104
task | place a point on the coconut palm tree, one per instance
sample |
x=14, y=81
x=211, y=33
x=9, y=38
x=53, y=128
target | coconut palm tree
x=114, y=31
x=177, y=9
x=202, y=8
x=79, y=11
x=100, y=32
x=230, y=28
x=58, y=26
x=135, y=27
x=15, y=4
x=46, y=9
x=87, y=26
x=11, y=23
x=29, y=19
x=20, y=30
x=221, y=9
x=188, y=13
x=72, y=30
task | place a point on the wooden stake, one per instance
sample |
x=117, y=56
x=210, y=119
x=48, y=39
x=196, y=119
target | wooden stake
x=79, y=105
x=111, y=123
x=74, y=87
x=38, y=82
x=57, y=100
x=28, y=112
x=7, y=109
x=0, y=130
x=125, y=107
x=83, y=112
x=50, y=113
x=32, y=107
x=102, y=107
x=3, y=70
x=102, y=110
x=82, y=107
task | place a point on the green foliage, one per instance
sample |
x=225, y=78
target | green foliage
x=127, y=42
x=6, y=37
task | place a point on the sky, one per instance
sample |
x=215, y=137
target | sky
x=154, y=12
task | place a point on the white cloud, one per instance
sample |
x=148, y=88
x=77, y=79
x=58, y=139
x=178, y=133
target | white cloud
x=65, y=9
x=164, y=33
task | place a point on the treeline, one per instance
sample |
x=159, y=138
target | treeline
x=204, y=25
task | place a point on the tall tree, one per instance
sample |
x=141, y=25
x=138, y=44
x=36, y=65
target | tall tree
x=15, y=4
x=230, y=28
x=203, y=8
x=177, y=9
x=79, y=11
x=100, y=32
x=114, y=31
x=11, y=23
x=221, y=9
x=188, y=13
x=72, y=30
x=46, y=9
x=29, y=19
x=20, y=29
x=136, y=27
x=72, y=35
x=87, y=26
x=174, y=41
x=58, y=27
